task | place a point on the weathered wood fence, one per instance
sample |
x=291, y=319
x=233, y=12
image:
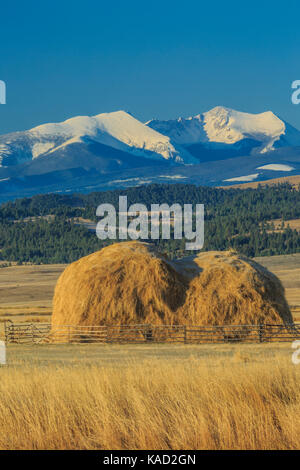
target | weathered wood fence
x=41, y=333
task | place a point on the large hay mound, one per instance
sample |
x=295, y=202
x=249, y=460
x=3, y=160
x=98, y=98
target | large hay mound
x=227, y=288
x=131, y=283
x=124, y=283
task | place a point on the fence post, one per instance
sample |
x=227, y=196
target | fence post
x=184, y=334
x=13, y=333
x=5, y=331
x=149, y=334
x=261, y=333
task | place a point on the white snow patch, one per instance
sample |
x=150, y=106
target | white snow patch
x=173, y=177
x=244, y=178
x=3, y=147
x=276, y=167
x=73, y=140
x=131, y=180
x=40, y=148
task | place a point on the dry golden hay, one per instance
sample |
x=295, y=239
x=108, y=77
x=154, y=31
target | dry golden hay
x=131, y=283
x=125, y=283
x=227, y=288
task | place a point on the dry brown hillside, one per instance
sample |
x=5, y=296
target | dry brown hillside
x=294, y=180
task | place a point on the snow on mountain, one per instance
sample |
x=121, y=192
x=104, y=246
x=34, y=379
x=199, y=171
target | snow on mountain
x=117, y=129
x=115, y=150
x=220, y=133
x=225, y=126
x=244, y=179
x=276, y=167
x=39, y=148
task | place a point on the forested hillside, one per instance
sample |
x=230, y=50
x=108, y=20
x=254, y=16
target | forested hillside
x=44, y=229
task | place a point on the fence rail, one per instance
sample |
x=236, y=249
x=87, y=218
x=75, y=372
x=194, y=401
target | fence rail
x=41, y=333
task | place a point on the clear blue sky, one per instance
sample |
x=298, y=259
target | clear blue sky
x=153, y=58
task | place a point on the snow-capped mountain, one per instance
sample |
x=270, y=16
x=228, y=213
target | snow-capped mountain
x=222, y=129
x=118, y=130
x=115, y=150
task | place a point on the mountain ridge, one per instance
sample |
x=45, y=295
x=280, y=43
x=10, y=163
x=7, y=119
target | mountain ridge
x=118, y=130
x=226, y=126
x=115, y=150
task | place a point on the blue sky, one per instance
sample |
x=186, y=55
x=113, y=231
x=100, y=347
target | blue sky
x=159, y=59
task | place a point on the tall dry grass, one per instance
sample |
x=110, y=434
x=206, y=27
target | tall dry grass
x=154, y=405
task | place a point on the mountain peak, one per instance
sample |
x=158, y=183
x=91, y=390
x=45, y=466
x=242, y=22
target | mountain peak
x=220, y=109
x=222, y=125
x=117, y=129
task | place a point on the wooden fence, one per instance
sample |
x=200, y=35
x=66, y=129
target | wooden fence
x=41, y=333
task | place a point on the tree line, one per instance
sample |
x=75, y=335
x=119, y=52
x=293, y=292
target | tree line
x=234, y=218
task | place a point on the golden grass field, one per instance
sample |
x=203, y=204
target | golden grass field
x=145, y=397
x=226, y=396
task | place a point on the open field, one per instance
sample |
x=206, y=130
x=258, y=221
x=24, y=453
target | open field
x=125, y=354
x=140, y=397
x=150, y=396
x=27, y=291
x=294, y=224
x=287, y=268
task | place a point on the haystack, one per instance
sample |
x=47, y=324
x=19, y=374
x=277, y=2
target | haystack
x=228, y=288
x=131, y=283
x=125, y=283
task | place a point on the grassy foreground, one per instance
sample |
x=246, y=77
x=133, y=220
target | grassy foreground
x=240, y=397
